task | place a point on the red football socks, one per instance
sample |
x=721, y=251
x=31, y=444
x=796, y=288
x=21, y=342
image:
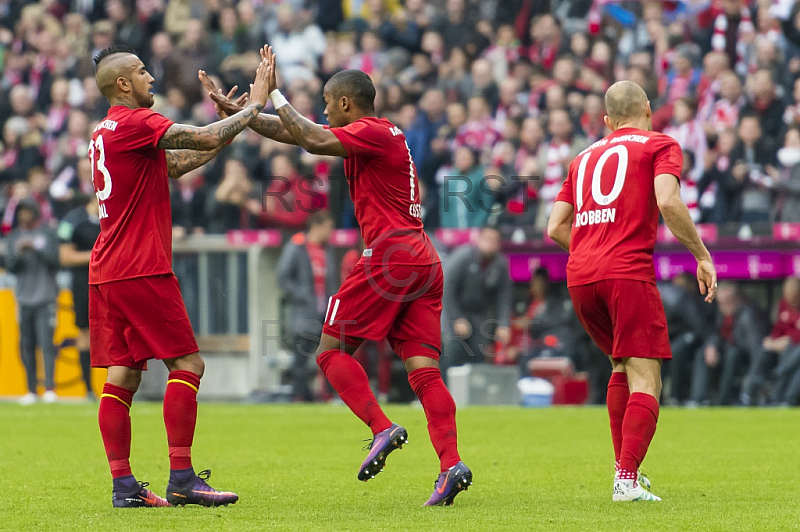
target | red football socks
x=180, y=416
x=115, y=427
x=637, y=430
x=352, y=384
x=440, y=410
x=616, y=401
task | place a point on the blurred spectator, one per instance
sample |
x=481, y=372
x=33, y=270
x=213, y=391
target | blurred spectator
x=788, y=207
x=32, y=256
x=465, y=200
x=78, y=232
x=164, y=64
x=229, y=40
x=689, y=193
x=779, y=353
x=592, y=127
x=425, y=128
x=724, y=113
x=719, y=191
x=20, y=150
x=733, y=32
x=546, y=329
x=290, y=198
x=231, y=204
x=483, y=83
x=554, y=159
x=71, y=185
x=194, y=52
x=791, y=117
x=715, y=64
x=683, y=78
x=546, y=41
x=129, y=32
x=764, y=103
x=301, y=45
x=688, y=131
x=477, y=300
x=188, y=201
x=727, y=354
x=455, y=26
x=754, y=168
x=308, y=276
x=478, y=133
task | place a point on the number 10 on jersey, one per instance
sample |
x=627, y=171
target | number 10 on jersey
x=597, y=216
x=99, y=165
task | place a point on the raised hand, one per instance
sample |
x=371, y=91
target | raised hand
x=267, y=55
x=224, y=105
x=259, y=90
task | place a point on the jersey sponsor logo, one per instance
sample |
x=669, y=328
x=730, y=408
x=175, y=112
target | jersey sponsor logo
x=624, y=138
x=597, y=216
x=394, y=130
x=415, y=210
x=366, y=253
x=631, y=138
x=107, y=124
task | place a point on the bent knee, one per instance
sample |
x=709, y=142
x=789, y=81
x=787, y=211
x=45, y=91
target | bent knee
x=193, y=362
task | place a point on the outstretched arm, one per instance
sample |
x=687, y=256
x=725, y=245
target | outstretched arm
x=180, y=162
x=210, y=137
x=310, y=136
x=272, y=127
x=183, y=137
x=265, y=125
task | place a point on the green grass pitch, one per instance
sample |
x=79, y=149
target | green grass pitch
x=295, y=467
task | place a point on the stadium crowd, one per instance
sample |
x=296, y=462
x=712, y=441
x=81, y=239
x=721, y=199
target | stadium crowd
x=511, y=89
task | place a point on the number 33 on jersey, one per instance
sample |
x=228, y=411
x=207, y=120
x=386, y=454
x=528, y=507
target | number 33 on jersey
x=611, y=186
x=131, y=182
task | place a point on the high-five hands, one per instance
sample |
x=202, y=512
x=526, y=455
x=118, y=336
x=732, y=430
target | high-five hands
x=224, y=105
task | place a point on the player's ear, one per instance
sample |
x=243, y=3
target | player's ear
x=344, y=103
x=123, y=84
x=607, y=122
x=648, y=111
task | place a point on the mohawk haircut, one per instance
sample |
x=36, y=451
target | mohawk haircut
x=111, y=50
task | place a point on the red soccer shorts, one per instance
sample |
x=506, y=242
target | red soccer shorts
x=135, y=320
x=624, y=317
x=400, y=302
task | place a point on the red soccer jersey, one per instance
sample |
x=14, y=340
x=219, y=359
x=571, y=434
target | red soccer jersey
x=385, y=191
x=611, y=186
x=132, y=185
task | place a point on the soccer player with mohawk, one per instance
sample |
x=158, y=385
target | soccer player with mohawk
x=136, y=312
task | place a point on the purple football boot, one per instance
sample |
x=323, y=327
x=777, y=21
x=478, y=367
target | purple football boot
x=385, y=442
x=197, y=491
x=449, y=484
x=142, y=498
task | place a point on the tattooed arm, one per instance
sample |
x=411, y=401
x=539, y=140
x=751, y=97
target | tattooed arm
x=272, y=127
x=310, y=136
x=180, y=162
x=265, y=125
x=183, y=137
